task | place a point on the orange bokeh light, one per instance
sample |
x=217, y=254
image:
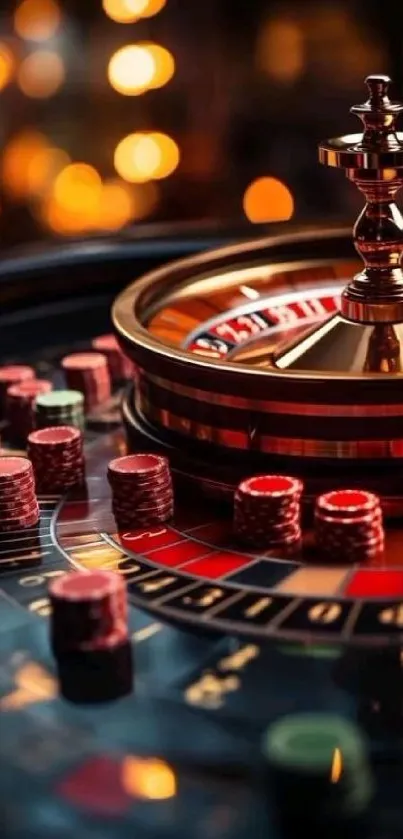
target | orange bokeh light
x=268, y=199
x=142, y=157
x=37, y=20
x=136, y=68
x=131, y=70
x=164, y=64
x=148, y=778
x=128, y=11
x=7, y=65
x=41, y=74
x=281, y=50
x=29, y=164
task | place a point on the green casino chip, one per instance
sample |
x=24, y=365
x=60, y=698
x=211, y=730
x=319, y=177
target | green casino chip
x=60, y=400
x=319, y=761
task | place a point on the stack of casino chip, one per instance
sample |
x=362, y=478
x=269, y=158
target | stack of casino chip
x=18, y=502
x=142, y=492
x=120, y=367
x=348, y=526
x=267, y=512
x=61, y=407
x=319, y=774
x=89, y=635
x=88, y=373
x=57, y=457
x=20, y=406
x=12, y=374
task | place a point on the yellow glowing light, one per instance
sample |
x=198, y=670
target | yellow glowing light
x=164, y=64
x=281, y=50
x=128, y=11
x=337, y=767
x=37, y=20
x=151, y=7
x=77, y=188
x=131, y=70
x=41, y=74
x=143, y=157
x=148, y=778
x=33, y=684
x=7, y=65
x=268, y=199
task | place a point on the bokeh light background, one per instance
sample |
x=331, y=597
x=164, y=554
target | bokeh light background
x=116, y=113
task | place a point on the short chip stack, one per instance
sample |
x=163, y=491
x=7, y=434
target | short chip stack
x=319, y=774
x=61, y=407
x=267, y=512
x=12, y=374
x=142, y=492
x=348, y=526
x=20, y=403
x=88, y=373
x=120, y=367
x=18, y=503
x=57, y=457
x=89, y=635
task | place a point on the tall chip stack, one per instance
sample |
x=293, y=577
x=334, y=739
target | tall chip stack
x=58, y=458
x=89, y=636
x=267, y=512
x=18, y=503
x=142, y=492
x=88, y=373
x=20, y=407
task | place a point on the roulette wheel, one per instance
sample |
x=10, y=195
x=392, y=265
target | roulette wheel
x=264, y=687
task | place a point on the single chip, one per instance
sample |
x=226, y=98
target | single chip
x=274, y=486
x=138, y=465
x=14, y=468
x=347, y=503
x=59, y=435
x=59, y=400
x=308, y=741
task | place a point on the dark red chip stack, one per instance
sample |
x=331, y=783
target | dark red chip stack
x=349, y=526
x=267, y=512
x=20, y=404
x=142, y=492
x=57, y=457
x=120, y=367
x=18, y=503
x=88, y=373
x=89, y=635
x=12, y=374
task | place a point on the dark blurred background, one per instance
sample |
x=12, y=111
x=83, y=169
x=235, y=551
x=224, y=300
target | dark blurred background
x=120, y=112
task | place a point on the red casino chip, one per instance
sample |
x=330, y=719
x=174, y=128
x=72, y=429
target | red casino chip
x=347, y=503
x=267, y=512
x=120, y=367
x=89, y=609
x=89, y=374
x=18, y=504
x=348, y=526
x=142, y=491
x=57, y=457
x=137, y=468
x=12, y=374
x=20, y=402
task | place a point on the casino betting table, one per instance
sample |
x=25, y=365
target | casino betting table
x=260, y=383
